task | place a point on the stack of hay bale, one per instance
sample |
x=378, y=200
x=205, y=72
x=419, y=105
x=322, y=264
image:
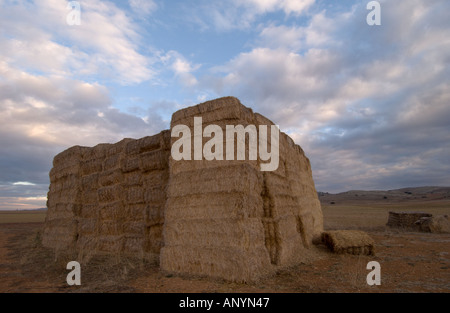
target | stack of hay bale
x=228, y=219
x=220, y=218
x=109, y=198
x=405, y=220
x=419, y=221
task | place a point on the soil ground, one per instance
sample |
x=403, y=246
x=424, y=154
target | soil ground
x=410, y=261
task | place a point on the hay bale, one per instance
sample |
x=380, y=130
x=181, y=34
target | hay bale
x=436, y=224
x=349, y=241
x=406, y=220
x=440, y=224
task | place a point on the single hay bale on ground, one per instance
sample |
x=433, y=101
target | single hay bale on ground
x=436, y=224
x=349, y=241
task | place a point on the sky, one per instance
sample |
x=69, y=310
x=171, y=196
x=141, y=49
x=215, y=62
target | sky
x=369, y=104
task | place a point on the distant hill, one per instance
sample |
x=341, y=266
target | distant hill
x=34, y=210
x=427, y=193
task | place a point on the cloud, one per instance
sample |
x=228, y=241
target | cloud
x=237, y=15
x=23, y=183
x=143, y=7
x=288, y=6
x=181, y=67
x=22, y=203
x=106, y=42
x=368, y=104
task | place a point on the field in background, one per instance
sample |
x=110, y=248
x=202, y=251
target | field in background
x=22, y=216
x=365, y=216
x=373, y=215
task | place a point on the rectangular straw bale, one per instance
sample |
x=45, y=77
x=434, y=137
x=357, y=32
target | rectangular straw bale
x=132, y=148
x=130, y=164
x=89, y=196
x=154, y=195
x=221, y=205
x=60, y=233
x=66, y=196
x=155, y=178
x=112, y=162
x=133, y=178
x=406, y=220
x=210, y=232
x=69, y=156
x=165, y=139
x=108, y=227
x=134, y=227
x=154, y=160
x=111, y=243
x=86, y=243
x=55, y=186
x=90, y=182
x=91, y=166
x=118, y=148
x=197, y=165
x=87, y=226
x=89, y=210
x=110, y=193
x=112, y=177
x=349, y=241
x=133, y=212
x=148, y=143
x=68, y=209
x=229, y=263
x=66, y=171
x=97, y=152
x=111, y=211
x=134, y=195
x=133, y=244
x=232, y=178
x=225, y=108
x=68, y=182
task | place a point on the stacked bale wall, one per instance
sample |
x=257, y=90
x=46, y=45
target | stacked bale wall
x=406, y=220
x=228, y=219
x=109, y=198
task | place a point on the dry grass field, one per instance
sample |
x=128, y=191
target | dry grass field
x=373, y=215
x=410, y=261
x=22, y=216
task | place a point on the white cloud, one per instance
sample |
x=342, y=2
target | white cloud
x=143, y=7
x=23, y=183
x=106, y=42
x=182, y=68
x=288, y=6
x=237, y=14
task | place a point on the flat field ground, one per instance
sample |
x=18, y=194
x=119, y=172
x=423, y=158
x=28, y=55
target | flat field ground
x=410, y=261
x=22, y=216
